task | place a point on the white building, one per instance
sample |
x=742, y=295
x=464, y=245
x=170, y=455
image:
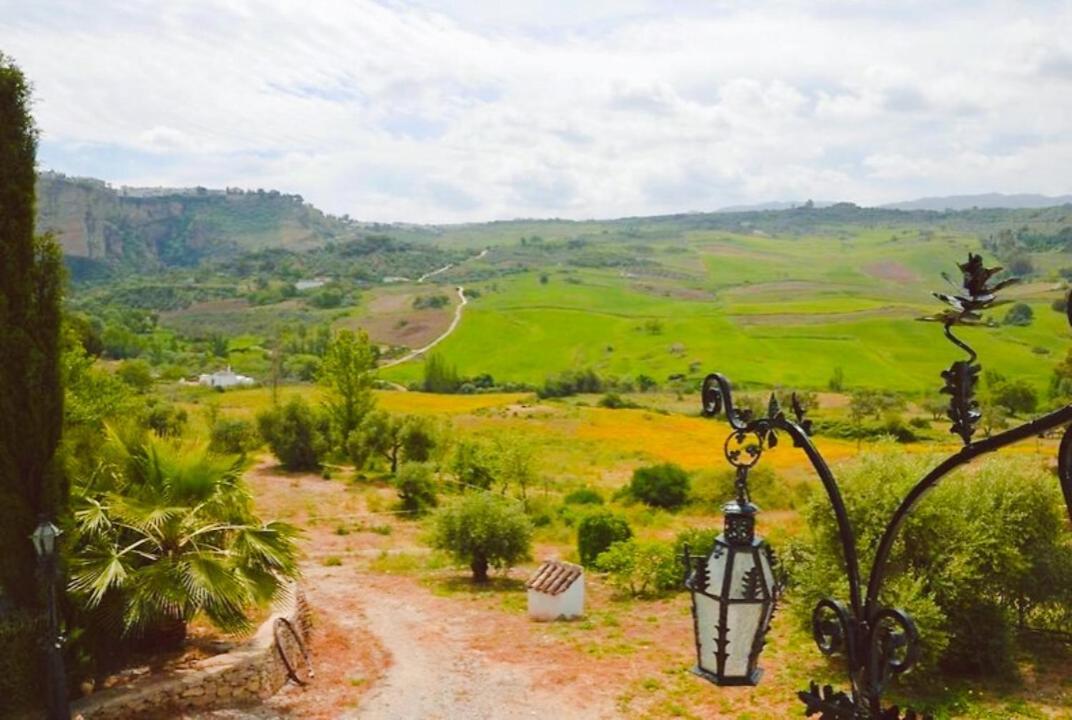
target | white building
x=556, y=590
x=225, y=379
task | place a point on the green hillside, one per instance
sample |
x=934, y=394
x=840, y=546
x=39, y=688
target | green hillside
x=766, y=310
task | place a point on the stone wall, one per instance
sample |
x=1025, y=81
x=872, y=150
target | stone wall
x=247, y=674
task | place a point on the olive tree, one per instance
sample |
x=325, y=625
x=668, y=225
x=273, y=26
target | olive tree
x=483, y=530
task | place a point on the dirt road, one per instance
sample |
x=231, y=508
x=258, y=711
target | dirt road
x=383, y=646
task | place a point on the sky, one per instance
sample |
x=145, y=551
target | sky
x=470, y=111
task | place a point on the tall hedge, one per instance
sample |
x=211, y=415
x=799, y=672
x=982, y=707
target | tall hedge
x=31, y=399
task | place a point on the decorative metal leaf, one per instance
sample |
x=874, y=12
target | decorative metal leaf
x=830, y=704
x=960, y=381
x=798, y=413
x=975, y=294
x=752, y=584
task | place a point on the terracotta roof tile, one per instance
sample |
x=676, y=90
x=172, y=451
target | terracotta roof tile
x=554, y=577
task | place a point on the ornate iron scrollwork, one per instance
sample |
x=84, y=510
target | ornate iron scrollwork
x=880, y=642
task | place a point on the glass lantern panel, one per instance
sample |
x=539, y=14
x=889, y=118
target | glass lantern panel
x=716, y=569
x=707, y=614
x=746, y=578
x=768, y=570
x=743, y=621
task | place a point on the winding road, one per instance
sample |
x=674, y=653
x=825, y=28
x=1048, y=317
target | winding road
x=463, y=301
x=453, y=324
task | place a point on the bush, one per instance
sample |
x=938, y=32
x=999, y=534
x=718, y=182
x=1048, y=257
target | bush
x=665, y=486
x=614, y=401
x=572, y=382
x=700, y=541
x=988, y=550
x=416, y=489
x=1019, y=314
x=296, y=433
x=164, y=419
x=137, y=374
x=641, y=568
x=234, y=436
x=598, y=532
x=584, y=496
x=482, y=530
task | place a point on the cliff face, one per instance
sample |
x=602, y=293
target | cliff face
x=99, y=225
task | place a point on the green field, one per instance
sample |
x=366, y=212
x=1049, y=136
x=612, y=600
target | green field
x=770, y=311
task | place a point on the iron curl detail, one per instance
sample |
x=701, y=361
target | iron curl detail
x=716, y=396
x=831, y=627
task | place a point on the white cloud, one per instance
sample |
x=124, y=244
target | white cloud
x=400, y=111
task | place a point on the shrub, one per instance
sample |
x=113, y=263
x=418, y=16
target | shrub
x=640, y=568
x=700, y=541
x=572, y=382
x=233, y=436
x=137, y=374
x=482, y=530
x=296, y=434
x=599, y=531
x=1019, y=314
x=665, y=486
x=164, y=419
x=987, y=550
x=614, y=401
x=584, y=496
x=416, y=489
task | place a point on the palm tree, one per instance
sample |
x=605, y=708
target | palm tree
x=171, y=532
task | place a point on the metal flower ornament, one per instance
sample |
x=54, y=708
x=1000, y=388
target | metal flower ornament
x=877, y=642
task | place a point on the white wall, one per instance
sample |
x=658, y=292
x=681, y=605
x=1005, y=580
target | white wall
x=569, y=604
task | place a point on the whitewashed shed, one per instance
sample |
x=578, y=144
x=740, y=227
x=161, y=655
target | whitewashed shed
x=556, y=590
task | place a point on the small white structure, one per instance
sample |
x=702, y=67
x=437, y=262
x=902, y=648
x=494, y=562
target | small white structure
x=556, y=591
x=317, y=282
x=225, y=379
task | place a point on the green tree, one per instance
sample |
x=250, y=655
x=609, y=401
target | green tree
x=233, y=436
x=599, y=531
x=483, y=530
x=415, y=484
x=640, y=568
x=31, y=396
x=296, y=434
x=472, y=464
x=170, y=532
x=1019, y=314
x=137, y=374
x=394, y=438
x=346, y=374
x=439, y=376
x=665, y=486
x=988, y=548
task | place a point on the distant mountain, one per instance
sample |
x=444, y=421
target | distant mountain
x=775, y=205
x=101, y=227
x=984, y=200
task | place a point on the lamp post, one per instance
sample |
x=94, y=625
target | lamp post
x=44, y=542
x=877, y=642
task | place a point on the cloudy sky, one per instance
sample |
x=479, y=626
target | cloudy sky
x=476, y=110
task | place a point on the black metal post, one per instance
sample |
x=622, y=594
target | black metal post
x=57, y=706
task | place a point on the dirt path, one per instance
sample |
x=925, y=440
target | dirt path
x=383, y=645
x=436, y=674
x=453, y=325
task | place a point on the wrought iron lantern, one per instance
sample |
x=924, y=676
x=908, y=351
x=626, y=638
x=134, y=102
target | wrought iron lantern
x=733, y=588
x=733, y=596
